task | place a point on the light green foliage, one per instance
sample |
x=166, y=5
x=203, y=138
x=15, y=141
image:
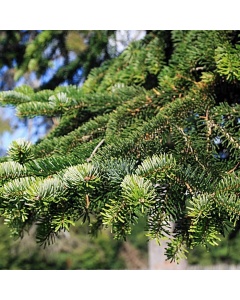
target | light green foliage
x=152, y=134
x=228, y=61
x=13, y=97
x=20, y=151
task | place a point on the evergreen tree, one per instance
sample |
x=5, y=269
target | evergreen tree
x=152, y=133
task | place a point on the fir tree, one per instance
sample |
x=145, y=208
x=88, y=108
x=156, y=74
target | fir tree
x=153, y=132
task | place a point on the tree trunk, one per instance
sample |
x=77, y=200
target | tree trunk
x=157, y=260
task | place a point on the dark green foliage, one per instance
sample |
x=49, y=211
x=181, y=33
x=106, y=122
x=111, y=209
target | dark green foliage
x=77, y=251
x=152, y=134
x=55, y=56
x=226, y=253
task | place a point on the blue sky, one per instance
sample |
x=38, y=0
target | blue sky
x=19, y=131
